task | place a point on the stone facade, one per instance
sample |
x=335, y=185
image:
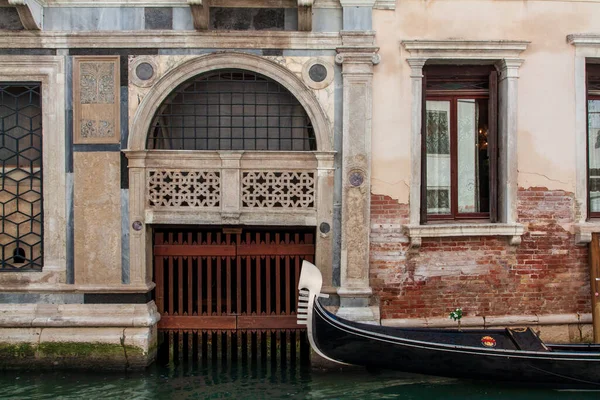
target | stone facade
x=107, y=68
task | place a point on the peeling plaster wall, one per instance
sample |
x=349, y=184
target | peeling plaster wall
x=546, y=104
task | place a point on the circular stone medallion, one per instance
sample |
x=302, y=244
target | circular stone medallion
x=144, y=71
x=317, y=72
x=356, y=178
x=137, y=226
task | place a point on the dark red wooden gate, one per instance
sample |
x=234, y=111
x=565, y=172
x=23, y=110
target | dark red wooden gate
x=230, y=281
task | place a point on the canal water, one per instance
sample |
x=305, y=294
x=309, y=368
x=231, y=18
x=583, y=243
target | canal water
x=255, y=382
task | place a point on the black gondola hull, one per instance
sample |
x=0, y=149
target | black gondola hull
x=452, y=353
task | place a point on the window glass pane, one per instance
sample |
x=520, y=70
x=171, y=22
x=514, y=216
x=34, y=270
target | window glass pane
x=438, y=157
x=473, y=165
x=594, y=154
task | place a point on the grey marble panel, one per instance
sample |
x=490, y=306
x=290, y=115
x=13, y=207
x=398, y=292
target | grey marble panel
x=91, y=19
x=327, y=19
x=291, y=19
x=40, y=298
x=182, y=19
x=358, y=18
x=70, y=230
x=309, y=53
x=173, y=52
x=9, y=19
x=158, y=18
x=125, y=236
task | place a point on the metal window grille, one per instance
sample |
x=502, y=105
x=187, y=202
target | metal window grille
x=21, y=229
x=231, y=110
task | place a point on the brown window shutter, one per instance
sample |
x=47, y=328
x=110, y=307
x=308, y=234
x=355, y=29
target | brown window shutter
x=493, y=145
x=423, y=207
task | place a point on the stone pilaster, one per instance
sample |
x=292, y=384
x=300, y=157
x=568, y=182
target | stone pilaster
x=507, y=127
x=357, y=56
x=416, y=78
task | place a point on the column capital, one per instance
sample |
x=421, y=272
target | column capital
x=416, y=66
x=509, y=67
x=358, y=47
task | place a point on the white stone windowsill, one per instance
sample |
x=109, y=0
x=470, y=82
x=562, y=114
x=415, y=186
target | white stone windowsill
x=584, y=230
x=417, y=232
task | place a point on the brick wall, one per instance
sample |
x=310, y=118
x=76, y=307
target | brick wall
x=546, y=274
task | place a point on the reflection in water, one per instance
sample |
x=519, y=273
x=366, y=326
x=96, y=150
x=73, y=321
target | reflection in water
x=239, y=381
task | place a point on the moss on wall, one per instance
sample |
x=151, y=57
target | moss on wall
x=73, y=355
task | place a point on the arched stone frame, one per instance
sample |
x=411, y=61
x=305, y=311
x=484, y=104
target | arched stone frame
x=230, y=164
x=141, y=121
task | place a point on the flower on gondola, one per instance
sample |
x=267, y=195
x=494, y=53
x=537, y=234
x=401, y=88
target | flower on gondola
x=456, y=314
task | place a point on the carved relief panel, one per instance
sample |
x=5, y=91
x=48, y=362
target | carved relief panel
x=96, y=100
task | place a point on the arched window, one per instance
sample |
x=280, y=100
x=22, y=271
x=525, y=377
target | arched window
x=231, y=110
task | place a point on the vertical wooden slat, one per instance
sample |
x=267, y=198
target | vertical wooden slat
x=239, y=277
x=248, y=279
x=277, y=277
x=268, y=277
x=190, y=290
x=159, y=275
x=200, y=283
x=287, y=277
x=287, y=283
x=209, y=277
x=219, y=271
x=228, y=273
x=257, y=266
x=171, y=285
x=180, y=285
x=209, y=264
x=595, y=284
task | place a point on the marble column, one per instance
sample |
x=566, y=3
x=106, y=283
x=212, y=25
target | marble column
x=357, y=55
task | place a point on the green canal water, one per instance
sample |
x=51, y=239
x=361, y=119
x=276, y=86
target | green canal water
x=254, y=382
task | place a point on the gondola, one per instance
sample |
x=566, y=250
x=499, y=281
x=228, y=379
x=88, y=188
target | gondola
x=511, y=355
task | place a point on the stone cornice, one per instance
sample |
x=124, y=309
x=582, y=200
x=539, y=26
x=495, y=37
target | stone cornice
x=464, y=49
x=584, y=39
x=172, y=39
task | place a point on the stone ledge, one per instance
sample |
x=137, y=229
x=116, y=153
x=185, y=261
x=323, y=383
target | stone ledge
x=78, y=315
x=417, y=232
x=172, y=39
x=584, y=230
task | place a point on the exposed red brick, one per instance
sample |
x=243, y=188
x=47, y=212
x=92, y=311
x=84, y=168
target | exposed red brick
x=547, y=273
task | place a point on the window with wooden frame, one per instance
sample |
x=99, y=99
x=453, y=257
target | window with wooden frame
x=459, y=143
x=593, y=139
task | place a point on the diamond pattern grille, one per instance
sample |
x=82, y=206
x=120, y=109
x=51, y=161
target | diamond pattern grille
x=21, y=228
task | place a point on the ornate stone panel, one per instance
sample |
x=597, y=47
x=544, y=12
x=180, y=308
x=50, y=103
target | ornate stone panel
x=183, y=188
x=272, y=189
x=96, y=100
